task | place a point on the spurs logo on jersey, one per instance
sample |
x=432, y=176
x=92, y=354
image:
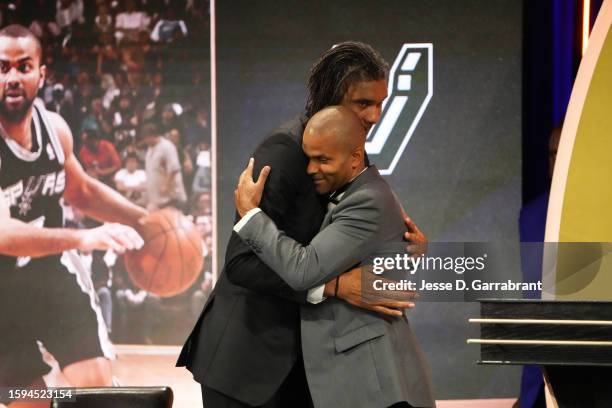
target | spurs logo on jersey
x=33, y=181
x=410, y=89
x=43, y=185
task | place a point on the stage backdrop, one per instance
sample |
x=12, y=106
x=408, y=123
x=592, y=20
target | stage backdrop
x=452, y=148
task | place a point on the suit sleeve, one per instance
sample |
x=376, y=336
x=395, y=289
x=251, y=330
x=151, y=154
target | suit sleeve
x=335, y=249
x=242, y=265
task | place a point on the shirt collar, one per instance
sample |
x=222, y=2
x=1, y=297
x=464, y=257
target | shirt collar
x=337, y=195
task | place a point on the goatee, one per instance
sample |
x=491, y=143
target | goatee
x=15, y=114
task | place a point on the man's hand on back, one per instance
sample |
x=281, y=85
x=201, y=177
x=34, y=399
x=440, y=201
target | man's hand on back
x=248, y=192
x=356, y=287
x=416, y=239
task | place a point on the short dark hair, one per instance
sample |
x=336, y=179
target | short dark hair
x=92, y=132
x=148, y=129
x=339, y=68
x=19, y=31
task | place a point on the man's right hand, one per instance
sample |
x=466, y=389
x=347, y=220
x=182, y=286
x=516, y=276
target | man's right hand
x=356, y=288
x=248, y=192
x=118, y=237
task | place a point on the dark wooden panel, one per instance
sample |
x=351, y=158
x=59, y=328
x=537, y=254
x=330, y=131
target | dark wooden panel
x=545, y=332
x=542, y=309
x=546, y=354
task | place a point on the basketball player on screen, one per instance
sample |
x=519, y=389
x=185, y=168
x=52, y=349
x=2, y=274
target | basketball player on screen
x=46, y=298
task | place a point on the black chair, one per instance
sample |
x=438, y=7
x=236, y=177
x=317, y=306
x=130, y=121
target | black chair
x=118, y=397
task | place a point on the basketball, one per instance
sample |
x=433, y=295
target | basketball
x=171, y=259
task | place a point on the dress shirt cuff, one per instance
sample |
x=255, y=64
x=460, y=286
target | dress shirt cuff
x=315, y=295
x=246, y=219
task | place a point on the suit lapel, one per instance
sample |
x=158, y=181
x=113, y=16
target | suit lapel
x=368, y=175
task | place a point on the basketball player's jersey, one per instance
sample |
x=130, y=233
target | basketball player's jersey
x=33, y=181
x=51, y=298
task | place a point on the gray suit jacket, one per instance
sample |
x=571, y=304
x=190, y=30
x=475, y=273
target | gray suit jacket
x=353, y=358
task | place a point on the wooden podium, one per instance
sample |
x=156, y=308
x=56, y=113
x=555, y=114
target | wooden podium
x=572, y=340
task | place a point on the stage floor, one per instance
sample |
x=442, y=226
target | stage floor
x=153, y=365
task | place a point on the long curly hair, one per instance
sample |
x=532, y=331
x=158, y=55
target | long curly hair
x=339, y=68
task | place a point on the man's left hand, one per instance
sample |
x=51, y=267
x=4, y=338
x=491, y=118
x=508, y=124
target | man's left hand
x=357, y=288
x=248, y=192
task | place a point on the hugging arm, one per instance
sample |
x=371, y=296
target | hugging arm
x=335, y=249
x=242, y=265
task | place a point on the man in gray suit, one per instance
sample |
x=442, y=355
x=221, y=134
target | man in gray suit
x=371, y=361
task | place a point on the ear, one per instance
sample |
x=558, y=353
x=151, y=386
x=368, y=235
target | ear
x=43, y=75
x=357, y=157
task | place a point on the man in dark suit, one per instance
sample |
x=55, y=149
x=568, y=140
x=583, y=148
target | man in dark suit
x=245, y=348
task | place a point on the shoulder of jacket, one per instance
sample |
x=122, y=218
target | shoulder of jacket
x=376, y=193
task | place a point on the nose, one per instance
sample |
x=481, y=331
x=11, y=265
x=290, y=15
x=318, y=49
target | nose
x=374, y=114
x=371, y=116
x=12, y=76
x=312, y=168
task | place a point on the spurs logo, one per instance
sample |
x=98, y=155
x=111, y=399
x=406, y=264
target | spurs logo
x=30, y=191
x=22, y=194
x=410, y=89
